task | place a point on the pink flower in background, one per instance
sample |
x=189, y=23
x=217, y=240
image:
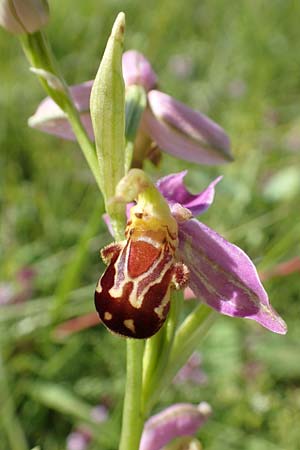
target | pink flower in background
x=168, y=123
x=192, y=371
x=20, y=289
x=80, y=437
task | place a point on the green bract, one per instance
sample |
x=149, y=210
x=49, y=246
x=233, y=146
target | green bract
x=107, y=104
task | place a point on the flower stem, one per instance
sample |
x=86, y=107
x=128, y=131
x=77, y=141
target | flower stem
x=133, y=417
x=84, y=142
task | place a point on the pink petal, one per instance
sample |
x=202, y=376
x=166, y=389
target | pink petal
x=174, y=190
x=224, y=277
x=51, y=119
x=181, y=419
x=183, y=132
x=138, y=70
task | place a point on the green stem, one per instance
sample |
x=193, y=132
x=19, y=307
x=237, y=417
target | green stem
x=87, y=147
x=151, y=357
x=39, y=54
x=133, y=417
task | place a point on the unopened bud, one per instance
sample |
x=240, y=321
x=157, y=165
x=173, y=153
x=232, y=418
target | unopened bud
x=23, y=16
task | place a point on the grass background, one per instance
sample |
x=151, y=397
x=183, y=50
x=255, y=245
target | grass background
x=239, y=63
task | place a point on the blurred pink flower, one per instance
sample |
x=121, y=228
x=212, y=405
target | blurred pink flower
x=191, y=372
x=20, y=289
x=80, y=438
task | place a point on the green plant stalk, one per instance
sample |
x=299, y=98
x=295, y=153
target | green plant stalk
x=39, y=54
x=133, y=417
x=151, y=356
x=187, y=338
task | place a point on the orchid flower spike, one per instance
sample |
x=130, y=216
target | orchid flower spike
x=166, y=123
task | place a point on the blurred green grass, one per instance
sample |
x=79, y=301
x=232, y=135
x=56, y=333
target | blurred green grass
x=239, y=63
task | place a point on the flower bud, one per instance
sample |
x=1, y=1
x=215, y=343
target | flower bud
x=138, y=70
x=23, y=16
x=181, y=419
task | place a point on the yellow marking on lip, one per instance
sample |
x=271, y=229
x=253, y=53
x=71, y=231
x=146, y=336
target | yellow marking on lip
x=99, y=287
x=107, y=315
x=159, y=310
x=129, y=323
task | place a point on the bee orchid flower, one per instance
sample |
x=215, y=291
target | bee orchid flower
x=220, y=273
x=166, y=123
